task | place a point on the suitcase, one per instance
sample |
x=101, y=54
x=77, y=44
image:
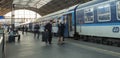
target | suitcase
x=11, y=39
x=45, y=36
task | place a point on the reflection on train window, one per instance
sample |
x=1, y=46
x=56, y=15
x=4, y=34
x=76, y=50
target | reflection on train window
x=89, y=15
x=118, y=10
x=80, y=17
x=65, y=19
x=104, y=13
x=105, y=17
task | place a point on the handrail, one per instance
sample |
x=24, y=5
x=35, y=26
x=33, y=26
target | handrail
x=2, y=43
x=1, y=39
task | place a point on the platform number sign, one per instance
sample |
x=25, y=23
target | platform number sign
x=115, y=29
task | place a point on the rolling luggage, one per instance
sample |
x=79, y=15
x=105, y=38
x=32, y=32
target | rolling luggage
x=45, y=36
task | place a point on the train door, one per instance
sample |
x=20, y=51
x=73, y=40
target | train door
x=66, y=32
x=68, y=25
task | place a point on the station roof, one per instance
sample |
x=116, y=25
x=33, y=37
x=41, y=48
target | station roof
x=43, y=7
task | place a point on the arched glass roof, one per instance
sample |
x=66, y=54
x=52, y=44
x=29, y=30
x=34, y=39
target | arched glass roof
x=30, y=3
x=22, y=16
x=23, y=13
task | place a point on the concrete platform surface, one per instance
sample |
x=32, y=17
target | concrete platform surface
x=30, y=47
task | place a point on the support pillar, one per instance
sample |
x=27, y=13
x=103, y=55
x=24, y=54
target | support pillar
x=12, y=16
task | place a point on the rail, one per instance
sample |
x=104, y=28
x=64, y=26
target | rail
x=1, y=39
x=2, y=45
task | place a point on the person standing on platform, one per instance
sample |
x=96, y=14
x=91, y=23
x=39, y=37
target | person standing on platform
x=17, y=33
x=11, y=37
x=23, y=29
x=61, y=28
x=48, y=27
x=36, y=30
x=26, y=29
x=8, y=28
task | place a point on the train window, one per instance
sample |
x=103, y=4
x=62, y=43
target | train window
x=65, y=19
x=89, y=15
x=104, y=13
x=118, y=10
x=79, y=17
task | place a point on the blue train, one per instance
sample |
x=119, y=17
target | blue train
x=94, y=18
x=97, y=20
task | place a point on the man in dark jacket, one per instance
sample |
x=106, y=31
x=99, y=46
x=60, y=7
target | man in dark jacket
x=23, y=29
x=36, y=30
x=48, y=27
x=61, y=28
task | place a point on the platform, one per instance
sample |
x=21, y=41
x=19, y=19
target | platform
x=0, y=50
x=29, y=47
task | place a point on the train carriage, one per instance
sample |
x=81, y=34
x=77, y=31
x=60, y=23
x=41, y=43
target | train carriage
x=99, y=19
